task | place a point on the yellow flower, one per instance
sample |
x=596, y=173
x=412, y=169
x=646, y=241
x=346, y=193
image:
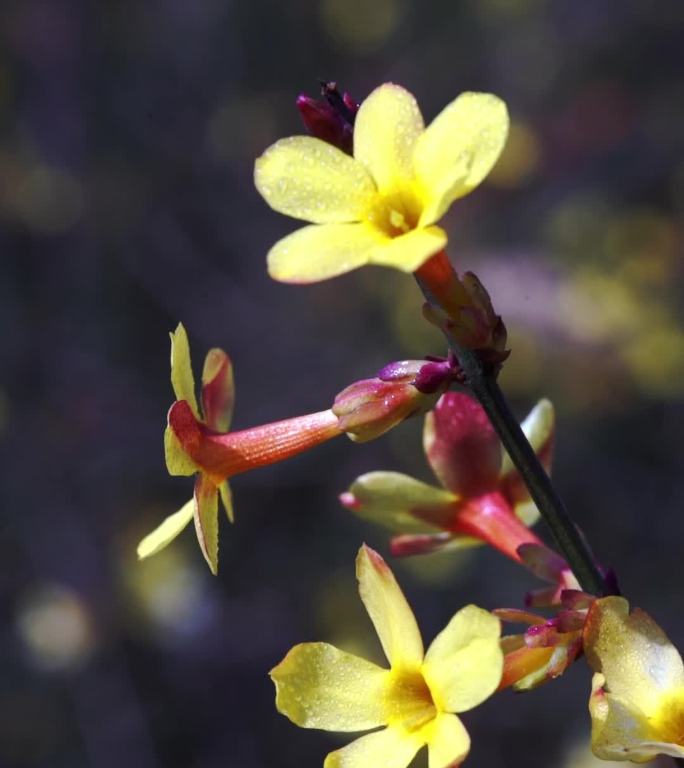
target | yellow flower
x=200, y=443
x=637, y=699
x=217, y=396
x=319, y=686
x=379, y=206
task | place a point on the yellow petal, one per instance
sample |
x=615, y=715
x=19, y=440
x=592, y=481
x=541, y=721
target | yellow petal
x=390, y=613
x=410, y=251
x=621, y=731
x=227, y=500
x=638, y=661
x=464, y=664
x=178, y=463
x=319, y=252
x=319, y=686
x=399, y=502
x=167, y=531
x=458, y=149
x=385, y=133
x=182, y=380
x=206, y=520
x=448, y=742
x=312, y=180
x=389, y=748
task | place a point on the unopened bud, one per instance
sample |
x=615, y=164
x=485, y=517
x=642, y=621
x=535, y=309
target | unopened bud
x=488, y=325
x=462, y=308
x=428, y=376
x=371, y=407
x=330, y=119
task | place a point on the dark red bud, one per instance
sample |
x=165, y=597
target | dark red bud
x=427, y=376
x=330, y=119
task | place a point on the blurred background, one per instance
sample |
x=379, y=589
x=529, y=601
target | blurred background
x=128, y=132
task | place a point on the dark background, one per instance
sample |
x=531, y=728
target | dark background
x=128, y=132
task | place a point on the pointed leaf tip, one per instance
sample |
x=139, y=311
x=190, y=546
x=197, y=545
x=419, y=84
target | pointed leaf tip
x=182, y=379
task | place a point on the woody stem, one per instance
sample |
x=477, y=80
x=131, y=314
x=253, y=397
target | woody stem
x=481, y=381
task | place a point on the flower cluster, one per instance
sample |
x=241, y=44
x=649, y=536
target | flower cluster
x=374, y=181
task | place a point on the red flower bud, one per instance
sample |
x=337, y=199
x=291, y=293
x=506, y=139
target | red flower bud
x=330, y=119
x=371, y=407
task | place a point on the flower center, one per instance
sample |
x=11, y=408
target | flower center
x=396, y=214
x=410, y=702
x=668, y=721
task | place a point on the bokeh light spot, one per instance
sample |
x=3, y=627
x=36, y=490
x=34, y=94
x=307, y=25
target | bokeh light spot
x=55, y=627
x=48, y=200
x=519, y=159
x=360, y=26
x=170, y=593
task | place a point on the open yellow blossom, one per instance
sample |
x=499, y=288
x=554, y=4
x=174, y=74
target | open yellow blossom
x=381, y=205
x=637, y=699
x=319, y=686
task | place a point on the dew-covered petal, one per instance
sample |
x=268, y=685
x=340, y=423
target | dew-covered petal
x=182, y=380
x=633, y=653
x=206, y=520
x=399, y=502
x=410, y=251
x=319, y=686
x=387, y=126
x=218, y=390
x=448, y=742
x=318, y=252
x=458, y=149
x=388, y=748
x=615, y=726
x=462, y=446
x=227, y=500
x=390, y=613
x=312, y=180
x=167, y=531
x=621, y=731
x=464, y=663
